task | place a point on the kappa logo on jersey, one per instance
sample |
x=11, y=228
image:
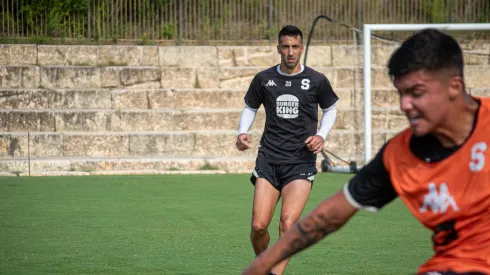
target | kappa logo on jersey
x=438, y=201
x=287, y=106
x=270, y=83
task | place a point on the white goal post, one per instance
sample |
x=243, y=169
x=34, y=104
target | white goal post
x=368, y=29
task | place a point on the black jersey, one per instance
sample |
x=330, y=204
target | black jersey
x=291, y=107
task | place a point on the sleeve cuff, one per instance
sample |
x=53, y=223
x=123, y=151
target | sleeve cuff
x=354, y=203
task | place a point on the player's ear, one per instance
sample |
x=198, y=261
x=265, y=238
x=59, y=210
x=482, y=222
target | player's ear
x=278, y=50
x=455, y=87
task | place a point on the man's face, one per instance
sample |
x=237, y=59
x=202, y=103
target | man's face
x=290, y=48
x=426, y=99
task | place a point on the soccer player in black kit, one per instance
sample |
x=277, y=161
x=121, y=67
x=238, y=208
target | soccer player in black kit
x=286, y=163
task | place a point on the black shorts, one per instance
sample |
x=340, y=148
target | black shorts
x=279, y=175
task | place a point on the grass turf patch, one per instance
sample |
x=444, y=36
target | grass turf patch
x=181, y=224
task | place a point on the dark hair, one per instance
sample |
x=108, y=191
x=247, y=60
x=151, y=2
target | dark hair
x=290, y=30
x=428, y=49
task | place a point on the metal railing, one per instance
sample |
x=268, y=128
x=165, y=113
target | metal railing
x=219, y=21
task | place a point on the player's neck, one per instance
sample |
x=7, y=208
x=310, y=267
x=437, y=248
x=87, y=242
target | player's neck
x=459, y=124
x=286, y=70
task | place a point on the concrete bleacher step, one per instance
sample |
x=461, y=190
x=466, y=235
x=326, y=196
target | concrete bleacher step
x=53, y=120
x=149, y=98
x=124, y=99
x=122, y=173
x=131, y=77
x=202, y=56
x=136, y=165
x=98, y=165
x=154, y=144
x=120, y=99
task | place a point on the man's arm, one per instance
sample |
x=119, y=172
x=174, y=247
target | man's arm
x=315, y=143
x=327, y=121
x=253, y=100
x=327, y=217
x=247, y=118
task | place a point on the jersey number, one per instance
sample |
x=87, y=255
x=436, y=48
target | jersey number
x=288, y=83
x=477, y=161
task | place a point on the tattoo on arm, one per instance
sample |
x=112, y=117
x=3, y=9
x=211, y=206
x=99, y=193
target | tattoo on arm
x=310, y=230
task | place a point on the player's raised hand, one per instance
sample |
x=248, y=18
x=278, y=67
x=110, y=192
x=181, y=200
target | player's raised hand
x=243, y=142
x=314, y=144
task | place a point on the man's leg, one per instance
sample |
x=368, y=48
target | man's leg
x=266, y=197
x=294, y=198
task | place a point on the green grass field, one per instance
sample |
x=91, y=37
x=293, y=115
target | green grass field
x=181, y=224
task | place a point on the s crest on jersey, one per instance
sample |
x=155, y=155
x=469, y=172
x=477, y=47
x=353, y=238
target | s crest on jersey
x=477, y=156
x=305, y=84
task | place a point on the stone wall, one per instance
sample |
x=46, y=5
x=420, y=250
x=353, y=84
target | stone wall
x=149, y=109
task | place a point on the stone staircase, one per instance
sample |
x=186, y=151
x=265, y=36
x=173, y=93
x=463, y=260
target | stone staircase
x=81, y=110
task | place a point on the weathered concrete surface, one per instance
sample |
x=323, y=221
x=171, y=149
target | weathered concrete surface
x=262, y=56
x=138, y=75
x=238, y=77
x=178, y=77
x=207, y=77
x=476, y=54
x=171, y=144
x=232, y=56
x=95, y=145
x=13, y=145
x=83, y=120
x=18, y=54
x=67, y=55
x=346, y=55
x=477, y=76
x=70, y=77
x=24, y=98
x=23, y=121
x=482, y=92
x=46, y=145
x=196, y=98
x=128, y=55
x=130, y=99
x=188, y=56
x=19, y=77
x=79, y=99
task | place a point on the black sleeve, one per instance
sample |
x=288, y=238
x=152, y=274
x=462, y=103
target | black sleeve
x=371, y=187
x=326, y=95
x=255, y=95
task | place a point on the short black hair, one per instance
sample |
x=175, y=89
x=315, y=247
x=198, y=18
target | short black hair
x=290, y=30
x=428, y=49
